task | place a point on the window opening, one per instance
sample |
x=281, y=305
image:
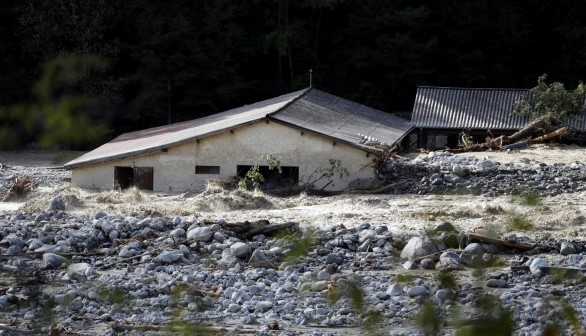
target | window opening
x=273, y=179
x=140, y=177
x=207, y=169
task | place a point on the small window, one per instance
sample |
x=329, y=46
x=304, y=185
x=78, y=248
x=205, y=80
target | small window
x=207, y=169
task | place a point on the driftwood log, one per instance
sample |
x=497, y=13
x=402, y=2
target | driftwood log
x=496, y=241
x=529, y=130
x=246, y=230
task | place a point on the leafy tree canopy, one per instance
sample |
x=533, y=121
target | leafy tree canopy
x=551, y=101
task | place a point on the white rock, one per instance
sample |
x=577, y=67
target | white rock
x=51, y=260
x=240, y=249
x=416, y=291
x=395, y=289
x=200, y=234
x=421, y=246
x=537, y=264
x=263, y=306
x=167, y=257
x=77, y=271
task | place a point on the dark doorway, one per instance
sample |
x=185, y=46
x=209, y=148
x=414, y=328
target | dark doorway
x=140, y=177
x=273, y=179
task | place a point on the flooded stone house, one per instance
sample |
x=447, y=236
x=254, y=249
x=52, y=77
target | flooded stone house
x=304, y=130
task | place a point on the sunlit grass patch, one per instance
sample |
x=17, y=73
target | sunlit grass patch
x=518, y=222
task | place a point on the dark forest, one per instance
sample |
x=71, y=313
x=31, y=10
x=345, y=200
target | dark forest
x=144, y=63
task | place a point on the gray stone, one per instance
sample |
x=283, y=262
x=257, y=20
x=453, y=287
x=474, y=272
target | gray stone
x=240, y=249
x=567, y=248
x=421, y=246
x=427, y=264
x=14, y=250
x=168, y=257
x=445, y=294
x=100, y=214
x=474, y=249
x=13, y=240
x=51, y=260
x=260, y=259
x=57, y=203
x=323, y=275
x=177, y=233
x=200, y=234
x=333, y=258
x=497, y=283
x=263, y=306
x=365, y=246
x=449, y=261
x=34, y=244
x=416, y=291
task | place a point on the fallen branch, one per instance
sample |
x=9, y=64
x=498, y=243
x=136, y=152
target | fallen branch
x=547, y=136
x=526, y=132
x=497, y=241
x=434, y=256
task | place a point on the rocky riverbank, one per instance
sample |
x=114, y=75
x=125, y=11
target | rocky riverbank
x=140, y=263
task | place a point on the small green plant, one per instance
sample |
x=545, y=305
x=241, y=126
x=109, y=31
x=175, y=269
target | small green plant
x=527, y=197
x=573, y=319
x=352, y=290
x=428, y=319
x=518, y=222
x=299, y=245
x=404, y=278
x=254, y=177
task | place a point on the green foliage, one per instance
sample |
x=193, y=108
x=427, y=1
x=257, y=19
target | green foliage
x=527, y=197
x=447, y=280
x=352, y=290
x=254, y=177
x=58, y=117
x=573, y=319
x=428, y=320
x=551, y=100
x=299, y=245
x=404, y=278
x=517, y=222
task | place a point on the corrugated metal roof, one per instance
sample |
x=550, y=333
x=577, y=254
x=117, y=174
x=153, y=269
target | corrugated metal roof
x=342, y=119
x=308, y=109
x=154, y=139
x=575, y=122
x=467, y=108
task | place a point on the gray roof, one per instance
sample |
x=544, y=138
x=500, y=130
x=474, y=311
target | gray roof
x=467, y=108
x=307, y=109
x=342, y=119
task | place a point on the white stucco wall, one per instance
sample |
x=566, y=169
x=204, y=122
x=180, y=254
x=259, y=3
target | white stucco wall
x=174, y=170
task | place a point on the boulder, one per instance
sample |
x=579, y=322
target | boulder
x=200, y=234
x=240, y=249
x=421, y=246
x=51, y=260
x=77, y=271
